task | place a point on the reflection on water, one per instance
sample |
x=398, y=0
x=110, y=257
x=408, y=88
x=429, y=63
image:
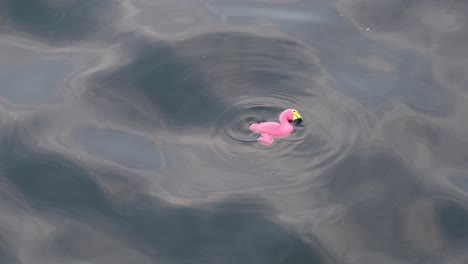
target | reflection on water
x=25, y=79
x=124, y=131
x=461, y=182
x=239, y=13
x=129, y=150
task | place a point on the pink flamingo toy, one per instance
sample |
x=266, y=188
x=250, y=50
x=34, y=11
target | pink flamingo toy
x=270, y=130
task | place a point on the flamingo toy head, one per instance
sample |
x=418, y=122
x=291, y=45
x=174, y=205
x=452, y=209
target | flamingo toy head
x=293, y=115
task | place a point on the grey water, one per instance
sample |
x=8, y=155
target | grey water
x=124, y=131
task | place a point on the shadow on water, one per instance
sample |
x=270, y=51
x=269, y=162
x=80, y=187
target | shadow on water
x=453, y=219
x=157, y=85
x=49, y=181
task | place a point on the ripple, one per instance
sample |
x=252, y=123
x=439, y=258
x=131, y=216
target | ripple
x=236, y=118
x=332, y=126
x=234, y=162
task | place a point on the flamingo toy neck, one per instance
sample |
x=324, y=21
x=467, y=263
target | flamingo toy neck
x=284, y=119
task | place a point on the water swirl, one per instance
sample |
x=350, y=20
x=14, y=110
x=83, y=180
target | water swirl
x=332, y=126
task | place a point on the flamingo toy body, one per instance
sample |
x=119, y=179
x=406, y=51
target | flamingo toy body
x=270, y=130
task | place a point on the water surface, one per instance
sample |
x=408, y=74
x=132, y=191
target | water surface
x=124, y=131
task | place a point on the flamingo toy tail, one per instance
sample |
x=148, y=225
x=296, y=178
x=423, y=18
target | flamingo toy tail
x=254, y=127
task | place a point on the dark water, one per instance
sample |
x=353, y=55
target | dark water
x=124, y=131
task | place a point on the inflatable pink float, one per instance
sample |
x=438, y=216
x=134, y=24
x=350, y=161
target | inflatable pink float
x=270, y=130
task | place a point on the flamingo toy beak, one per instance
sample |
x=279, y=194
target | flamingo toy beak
x=297, y=118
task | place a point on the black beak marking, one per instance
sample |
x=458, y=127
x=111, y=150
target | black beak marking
x=298, y=121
